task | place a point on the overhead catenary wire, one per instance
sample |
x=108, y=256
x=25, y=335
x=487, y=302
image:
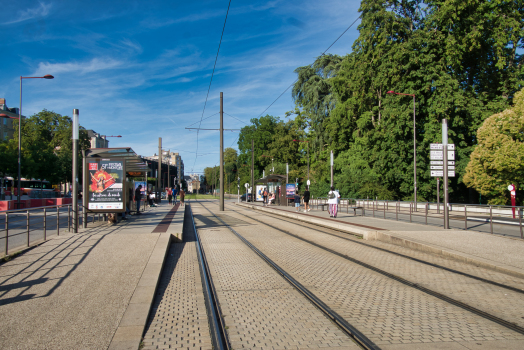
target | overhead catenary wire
x=211, y=80
x=323, y=53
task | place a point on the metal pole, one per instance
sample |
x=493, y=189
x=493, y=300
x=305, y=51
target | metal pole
x=414, y=155
x=7, y=233
x=75, y=170
x=331, y=168
x=45, y=224
x=19, y=147
x=445, y=153
x=308, y=164
x=466, y=217
x=28, y=228
x=252, y=170
x=85, y=193
x=221, y=151
x=157, y=195
x=438, y=195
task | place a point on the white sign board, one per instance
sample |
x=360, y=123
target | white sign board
x=440, y=173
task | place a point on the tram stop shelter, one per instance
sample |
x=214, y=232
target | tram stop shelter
x=276, y=184
x=108, y=179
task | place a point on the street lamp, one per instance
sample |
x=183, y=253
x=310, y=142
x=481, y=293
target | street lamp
x=307, y=156
x=47, y=76
x=414, y=145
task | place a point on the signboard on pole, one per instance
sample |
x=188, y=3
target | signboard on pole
x=105, y=185
x=436, y=156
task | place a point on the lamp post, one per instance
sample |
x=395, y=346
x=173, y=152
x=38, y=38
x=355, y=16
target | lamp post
x=307, y=156
x=414, y=146
x=47, y=76
x=3, y=115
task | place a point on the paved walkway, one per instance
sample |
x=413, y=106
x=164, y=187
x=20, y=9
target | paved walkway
x=72, y=291
x=496, y=252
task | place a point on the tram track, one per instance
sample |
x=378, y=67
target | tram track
x=360, y=339
x=312, y=226
x=507, y=324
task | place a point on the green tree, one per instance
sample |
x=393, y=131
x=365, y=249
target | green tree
x=498, y=159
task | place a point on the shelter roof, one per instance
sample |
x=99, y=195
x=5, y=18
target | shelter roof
x=272, y=178
x=133, y=161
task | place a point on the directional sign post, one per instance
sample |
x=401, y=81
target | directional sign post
x=436, y=156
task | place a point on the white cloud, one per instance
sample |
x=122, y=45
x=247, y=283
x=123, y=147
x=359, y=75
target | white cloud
x=94, y=65
x=25, y=15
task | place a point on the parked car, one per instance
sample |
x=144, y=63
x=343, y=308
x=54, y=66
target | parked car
x=243, y=197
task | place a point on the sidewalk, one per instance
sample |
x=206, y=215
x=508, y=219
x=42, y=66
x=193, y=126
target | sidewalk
x=74, y=291
x=500, y=253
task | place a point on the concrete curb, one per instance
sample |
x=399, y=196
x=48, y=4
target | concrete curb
x=128, y=335
x=389, y=237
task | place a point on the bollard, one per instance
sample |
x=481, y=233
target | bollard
x=45, y=224
x=58, y=221
x=384, y=210
x=396, y=210
x=427, y=204
x=28, y=228
x=410, y=209
x=69, y=218
x=465, y=217
x=6, y=233
x=491, y=218
x=520, y=223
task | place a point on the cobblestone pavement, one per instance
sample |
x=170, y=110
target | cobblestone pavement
x=383, y=309
x=260, y=309
x=503, y=303
x=178, y=319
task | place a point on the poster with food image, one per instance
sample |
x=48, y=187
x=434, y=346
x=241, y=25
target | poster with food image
x=105, y=184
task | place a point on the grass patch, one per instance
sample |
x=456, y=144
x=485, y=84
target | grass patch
x=200, y=196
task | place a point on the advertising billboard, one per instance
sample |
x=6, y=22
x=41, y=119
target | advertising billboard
x=105, y=185
x=290, y=190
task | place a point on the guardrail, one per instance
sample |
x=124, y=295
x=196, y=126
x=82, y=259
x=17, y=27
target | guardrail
x=23, y=228
x=500, y=214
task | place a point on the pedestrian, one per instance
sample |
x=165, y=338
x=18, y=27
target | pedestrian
x=305, y=197
x=297, y=201
x=333, y=197
x=138, y=198
x=175, y=192
x=182, y=195
x=264, y=195
x=170, y=195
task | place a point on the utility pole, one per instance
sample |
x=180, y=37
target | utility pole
x=253, y=170
x=221, y=151
x=75, y=171
x=157, y=195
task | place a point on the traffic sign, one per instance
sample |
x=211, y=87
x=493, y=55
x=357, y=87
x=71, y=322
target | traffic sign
x=439, y=155
x=439, y=146
x=440, y=173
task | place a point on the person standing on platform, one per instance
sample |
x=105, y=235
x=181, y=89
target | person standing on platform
x=138, y=198
x=264, y=195
x=333, y=197
x=306, y=200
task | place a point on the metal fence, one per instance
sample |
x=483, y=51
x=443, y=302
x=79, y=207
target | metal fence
x=22, y=228
x=430, y=213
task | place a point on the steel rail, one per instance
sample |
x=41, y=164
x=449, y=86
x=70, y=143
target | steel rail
x=218, y=330
x=349, y=329
x=428, y=291
x=298, y=223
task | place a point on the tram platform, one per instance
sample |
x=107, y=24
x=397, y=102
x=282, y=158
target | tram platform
x=496, y=252
x=91, y=290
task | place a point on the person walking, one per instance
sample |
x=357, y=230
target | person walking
x=138, y=198
x=175, y=192
x=182, y=196
x=170, y=195
x=333, y=197
x=305, y=197
x=297, y=201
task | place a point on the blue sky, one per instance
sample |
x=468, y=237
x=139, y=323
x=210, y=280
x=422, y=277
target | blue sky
x=141, y=69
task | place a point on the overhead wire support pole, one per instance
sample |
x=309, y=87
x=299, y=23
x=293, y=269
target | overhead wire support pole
x=221, y=151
